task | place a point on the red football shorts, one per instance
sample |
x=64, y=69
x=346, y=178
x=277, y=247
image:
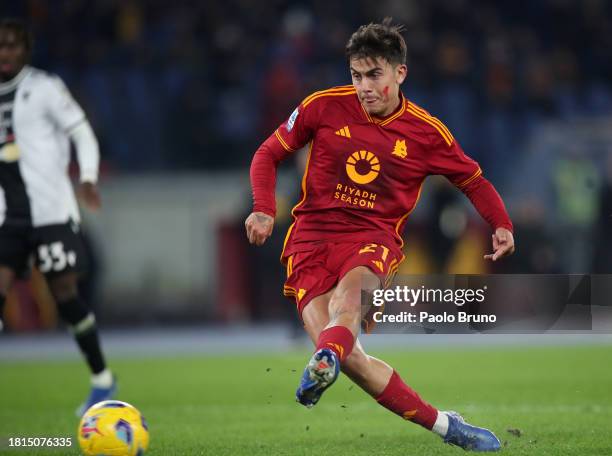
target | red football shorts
x=316, y=271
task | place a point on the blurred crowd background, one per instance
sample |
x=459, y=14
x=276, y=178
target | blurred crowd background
x=181, y=93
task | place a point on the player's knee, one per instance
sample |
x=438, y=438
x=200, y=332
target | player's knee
x=347, y=295
x=64, y=288
x=346, y=300
x=75, y=312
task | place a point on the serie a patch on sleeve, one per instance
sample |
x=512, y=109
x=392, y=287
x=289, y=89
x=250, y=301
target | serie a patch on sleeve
x=292, y=117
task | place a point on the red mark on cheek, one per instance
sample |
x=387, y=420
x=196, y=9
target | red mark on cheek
x=386, y=92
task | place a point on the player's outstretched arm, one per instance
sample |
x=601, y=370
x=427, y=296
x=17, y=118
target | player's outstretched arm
x=491, y=207
x=448, y=159
x=258, y=227
x=263, y=185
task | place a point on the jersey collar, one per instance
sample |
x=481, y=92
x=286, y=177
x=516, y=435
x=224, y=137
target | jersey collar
x=391, y=117
x=10, y=85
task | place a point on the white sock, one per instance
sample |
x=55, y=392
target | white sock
x=102, y=380
x=440, y=427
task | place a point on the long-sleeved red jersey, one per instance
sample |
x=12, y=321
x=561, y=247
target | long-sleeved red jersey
x=364, y=176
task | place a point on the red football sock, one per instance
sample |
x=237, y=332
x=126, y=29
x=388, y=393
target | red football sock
x=339, y=339
x=403, y=401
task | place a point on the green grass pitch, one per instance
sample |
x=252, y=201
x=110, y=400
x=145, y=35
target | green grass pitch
x=559, y=398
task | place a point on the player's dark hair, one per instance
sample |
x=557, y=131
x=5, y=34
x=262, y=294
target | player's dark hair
x=21, y=31
x=378, y=40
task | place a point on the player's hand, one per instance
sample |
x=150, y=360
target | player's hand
x=258, y=227
x=90, y=196
x=503, y=244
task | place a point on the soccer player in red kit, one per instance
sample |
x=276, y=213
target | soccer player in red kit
x=370, y=152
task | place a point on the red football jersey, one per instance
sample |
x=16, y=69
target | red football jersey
x=364, y=177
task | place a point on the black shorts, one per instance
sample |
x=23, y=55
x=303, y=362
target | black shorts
x=54, y=249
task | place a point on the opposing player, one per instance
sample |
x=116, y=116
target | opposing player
x=38, y=211
x=370, y=151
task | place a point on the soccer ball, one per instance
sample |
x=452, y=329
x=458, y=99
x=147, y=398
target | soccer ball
x=113, y=428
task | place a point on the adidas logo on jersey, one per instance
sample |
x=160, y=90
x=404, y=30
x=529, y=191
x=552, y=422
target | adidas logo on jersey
x=344, y=131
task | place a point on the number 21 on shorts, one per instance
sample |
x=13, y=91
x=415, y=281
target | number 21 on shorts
x=372, y=248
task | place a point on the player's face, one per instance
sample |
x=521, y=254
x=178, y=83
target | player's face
x=12, y=55
x=377, y=83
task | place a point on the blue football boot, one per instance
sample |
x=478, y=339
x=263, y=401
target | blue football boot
x=468, y=437
x=320, y=373
x=97, y=395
